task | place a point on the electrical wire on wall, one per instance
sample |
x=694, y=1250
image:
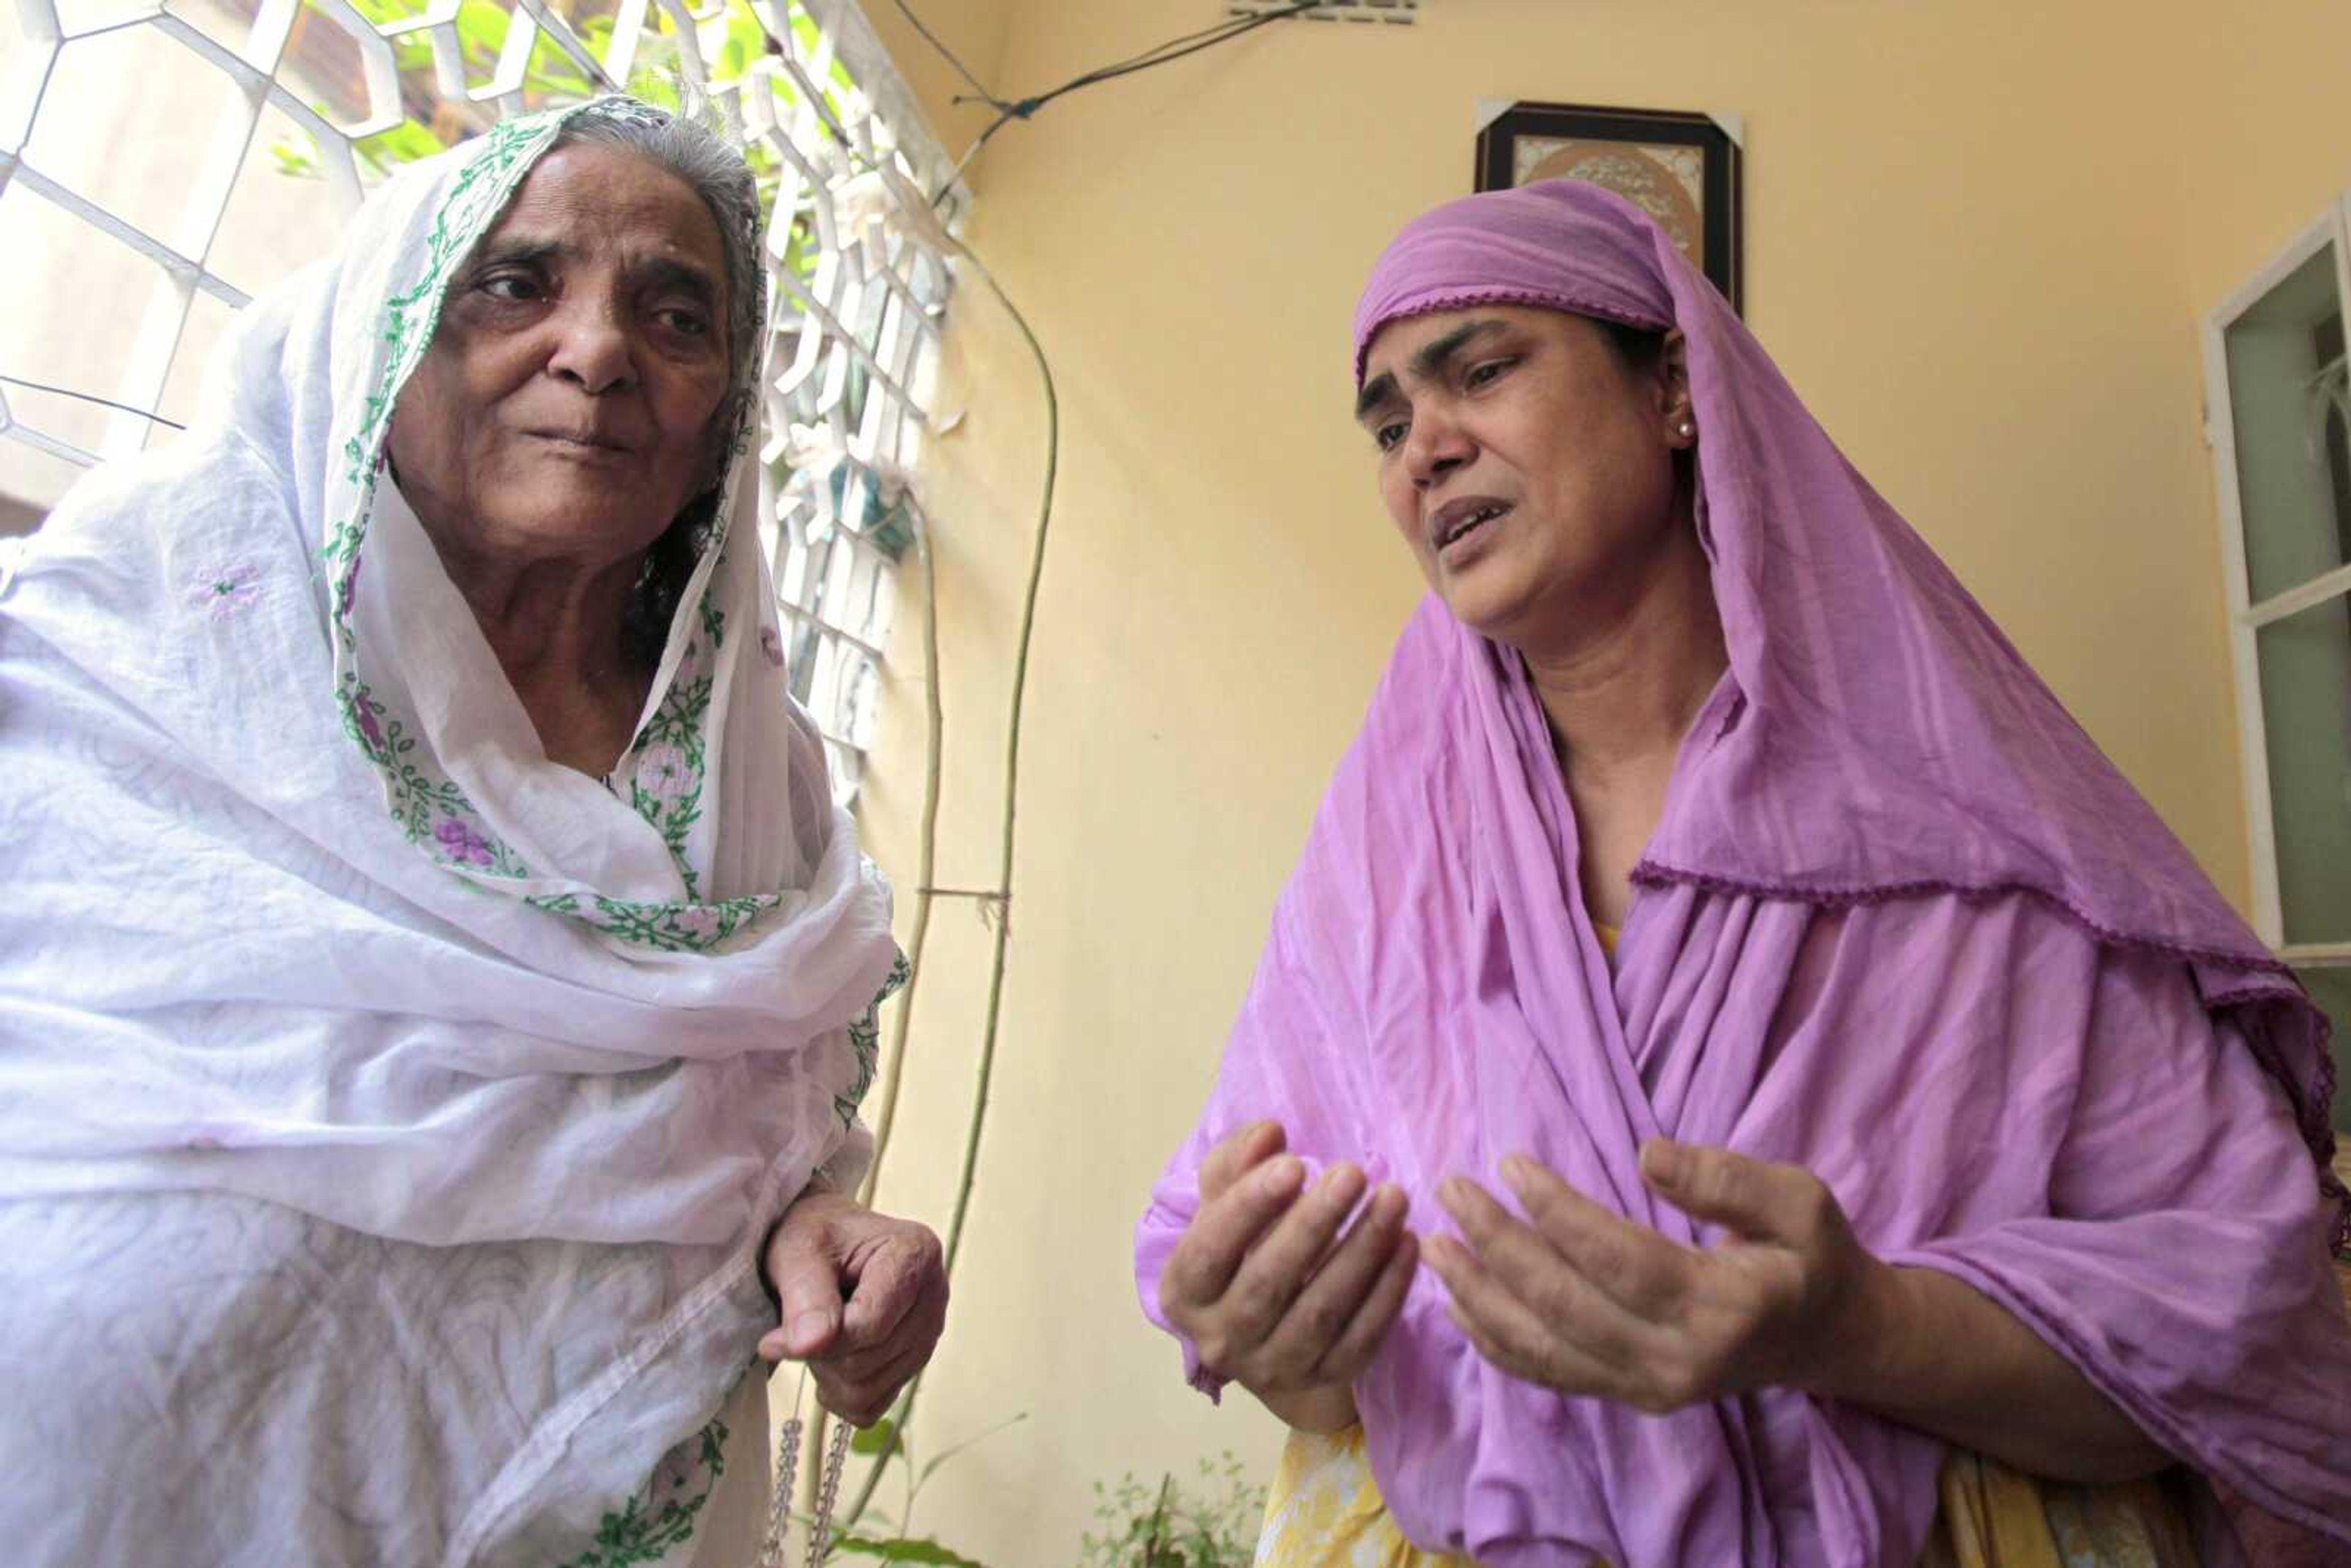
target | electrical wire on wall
x=1010, y=109
x=999, y=897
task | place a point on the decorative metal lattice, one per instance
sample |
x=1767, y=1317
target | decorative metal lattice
x=161, y=160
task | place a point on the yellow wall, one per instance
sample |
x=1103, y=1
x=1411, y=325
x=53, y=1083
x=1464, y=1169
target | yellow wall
x=2276, y=95
x=975, y=30
x=1980, y=238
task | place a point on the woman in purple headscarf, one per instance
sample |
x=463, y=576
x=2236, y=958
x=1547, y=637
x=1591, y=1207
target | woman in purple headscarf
x=1842, y=1096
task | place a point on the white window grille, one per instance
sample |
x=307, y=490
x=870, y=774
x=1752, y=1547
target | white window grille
x=161, y=160
x=2279, y=410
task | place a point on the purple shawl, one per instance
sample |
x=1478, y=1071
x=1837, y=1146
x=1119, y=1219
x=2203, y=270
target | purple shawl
x=1901, y=924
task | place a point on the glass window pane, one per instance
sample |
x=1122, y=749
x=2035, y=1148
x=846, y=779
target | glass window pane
x=137, y=88
x=2287, y=402
x=2305, y=666
x=202, y=338
x=282, y=212
x=91, y=290
x=2331, y=989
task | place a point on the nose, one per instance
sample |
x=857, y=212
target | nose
x=1434, y=447
x=592, y=348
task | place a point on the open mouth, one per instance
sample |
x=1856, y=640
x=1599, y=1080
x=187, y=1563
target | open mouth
x=1472, y=519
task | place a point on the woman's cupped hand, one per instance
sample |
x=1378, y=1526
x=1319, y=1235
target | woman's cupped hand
x=1580, y=1299
x=1284, y=1288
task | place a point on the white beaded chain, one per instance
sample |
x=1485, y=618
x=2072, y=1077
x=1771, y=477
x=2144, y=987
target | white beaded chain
x=828, y=1491
x=788, y=1469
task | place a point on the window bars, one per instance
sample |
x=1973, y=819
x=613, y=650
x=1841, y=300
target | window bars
x=162, y=159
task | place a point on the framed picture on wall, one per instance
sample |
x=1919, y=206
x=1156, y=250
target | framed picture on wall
x=1681, y=169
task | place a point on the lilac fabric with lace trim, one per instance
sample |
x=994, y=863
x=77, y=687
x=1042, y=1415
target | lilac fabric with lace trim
x=1901, y=924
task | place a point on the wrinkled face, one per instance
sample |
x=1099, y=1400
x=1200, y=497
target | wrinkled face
x=565, y=407
x=1527, y=467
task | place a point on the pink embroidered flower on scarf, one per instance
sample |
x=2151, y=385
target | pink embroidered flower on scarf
x=772, y=645
x=226, y=591
x=698, y=920
x=460, y=842
x=662, y=773
x=363, y=715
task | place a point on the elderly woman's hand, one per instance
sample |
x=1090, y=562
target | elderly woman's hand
x=1587, y=1302
x=1267, y=1290
x=863, y=1296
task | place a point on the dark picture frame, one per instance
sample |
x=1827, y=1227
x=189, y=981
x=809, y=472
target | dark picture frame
x=1681, y=168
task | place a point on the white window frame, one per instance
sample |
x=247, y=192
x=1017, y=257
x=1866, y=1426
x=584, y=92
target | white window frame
x=2246, y=618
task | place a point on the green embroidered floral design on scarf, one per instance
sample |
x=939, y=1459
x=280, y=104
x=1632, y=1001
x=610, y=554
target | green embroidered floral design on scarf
x=429, y=810
x=865, y=1041
x=667, y=927
x=668, y=754
x=639, y=1532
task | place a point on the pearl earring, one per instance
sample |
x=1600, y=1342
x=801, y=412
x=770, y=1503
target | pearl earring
x=1686, y=428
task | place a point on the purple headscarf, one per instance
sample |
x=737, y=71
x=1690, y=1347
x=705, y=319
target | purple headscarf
x=1901, y=924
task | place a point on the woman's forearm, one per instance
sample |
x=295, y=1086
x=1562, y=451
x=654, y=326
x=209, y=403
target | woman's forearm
x=1330, y=1409
x=1931, y=1352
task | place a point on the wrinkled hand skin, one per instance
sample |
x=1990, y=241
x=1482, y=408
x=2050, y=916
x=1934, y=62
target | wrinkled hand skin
x=1582, y=1300
x=863, y=1299
x=1275, y=1287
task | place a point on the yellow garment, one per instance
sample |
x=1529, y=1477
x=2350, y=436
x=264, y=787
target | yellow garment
x=1324, y=1512
x=1994, y=1517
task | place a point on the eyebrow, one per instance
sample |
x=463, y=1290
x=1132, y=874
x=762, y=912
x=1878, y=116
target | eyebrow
x=660, y=271
x=523, y=252
x=1425, y=363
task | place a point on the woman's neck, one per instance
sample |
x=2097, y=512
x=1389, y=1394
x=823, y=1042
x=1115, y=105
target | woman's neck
x=1620, y=691
x=1619, y=697
x=557, y=628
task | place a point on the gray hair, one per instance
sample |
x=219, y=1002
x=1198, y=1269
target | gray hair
x=718, y=176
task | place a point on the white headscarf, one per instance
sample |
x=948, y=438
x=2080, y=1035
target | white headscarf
x=297, y=910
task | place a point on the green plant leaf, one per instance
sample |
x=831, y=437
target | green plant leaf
x=481, y=32
x=878, y=1438
x=938, y=1459
x=293, y=158
x=901, y=1550
x=1167, y=1526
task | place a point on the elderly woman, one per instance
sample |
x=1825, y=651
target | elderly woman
x=1843, y=1098
x=438, y=986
